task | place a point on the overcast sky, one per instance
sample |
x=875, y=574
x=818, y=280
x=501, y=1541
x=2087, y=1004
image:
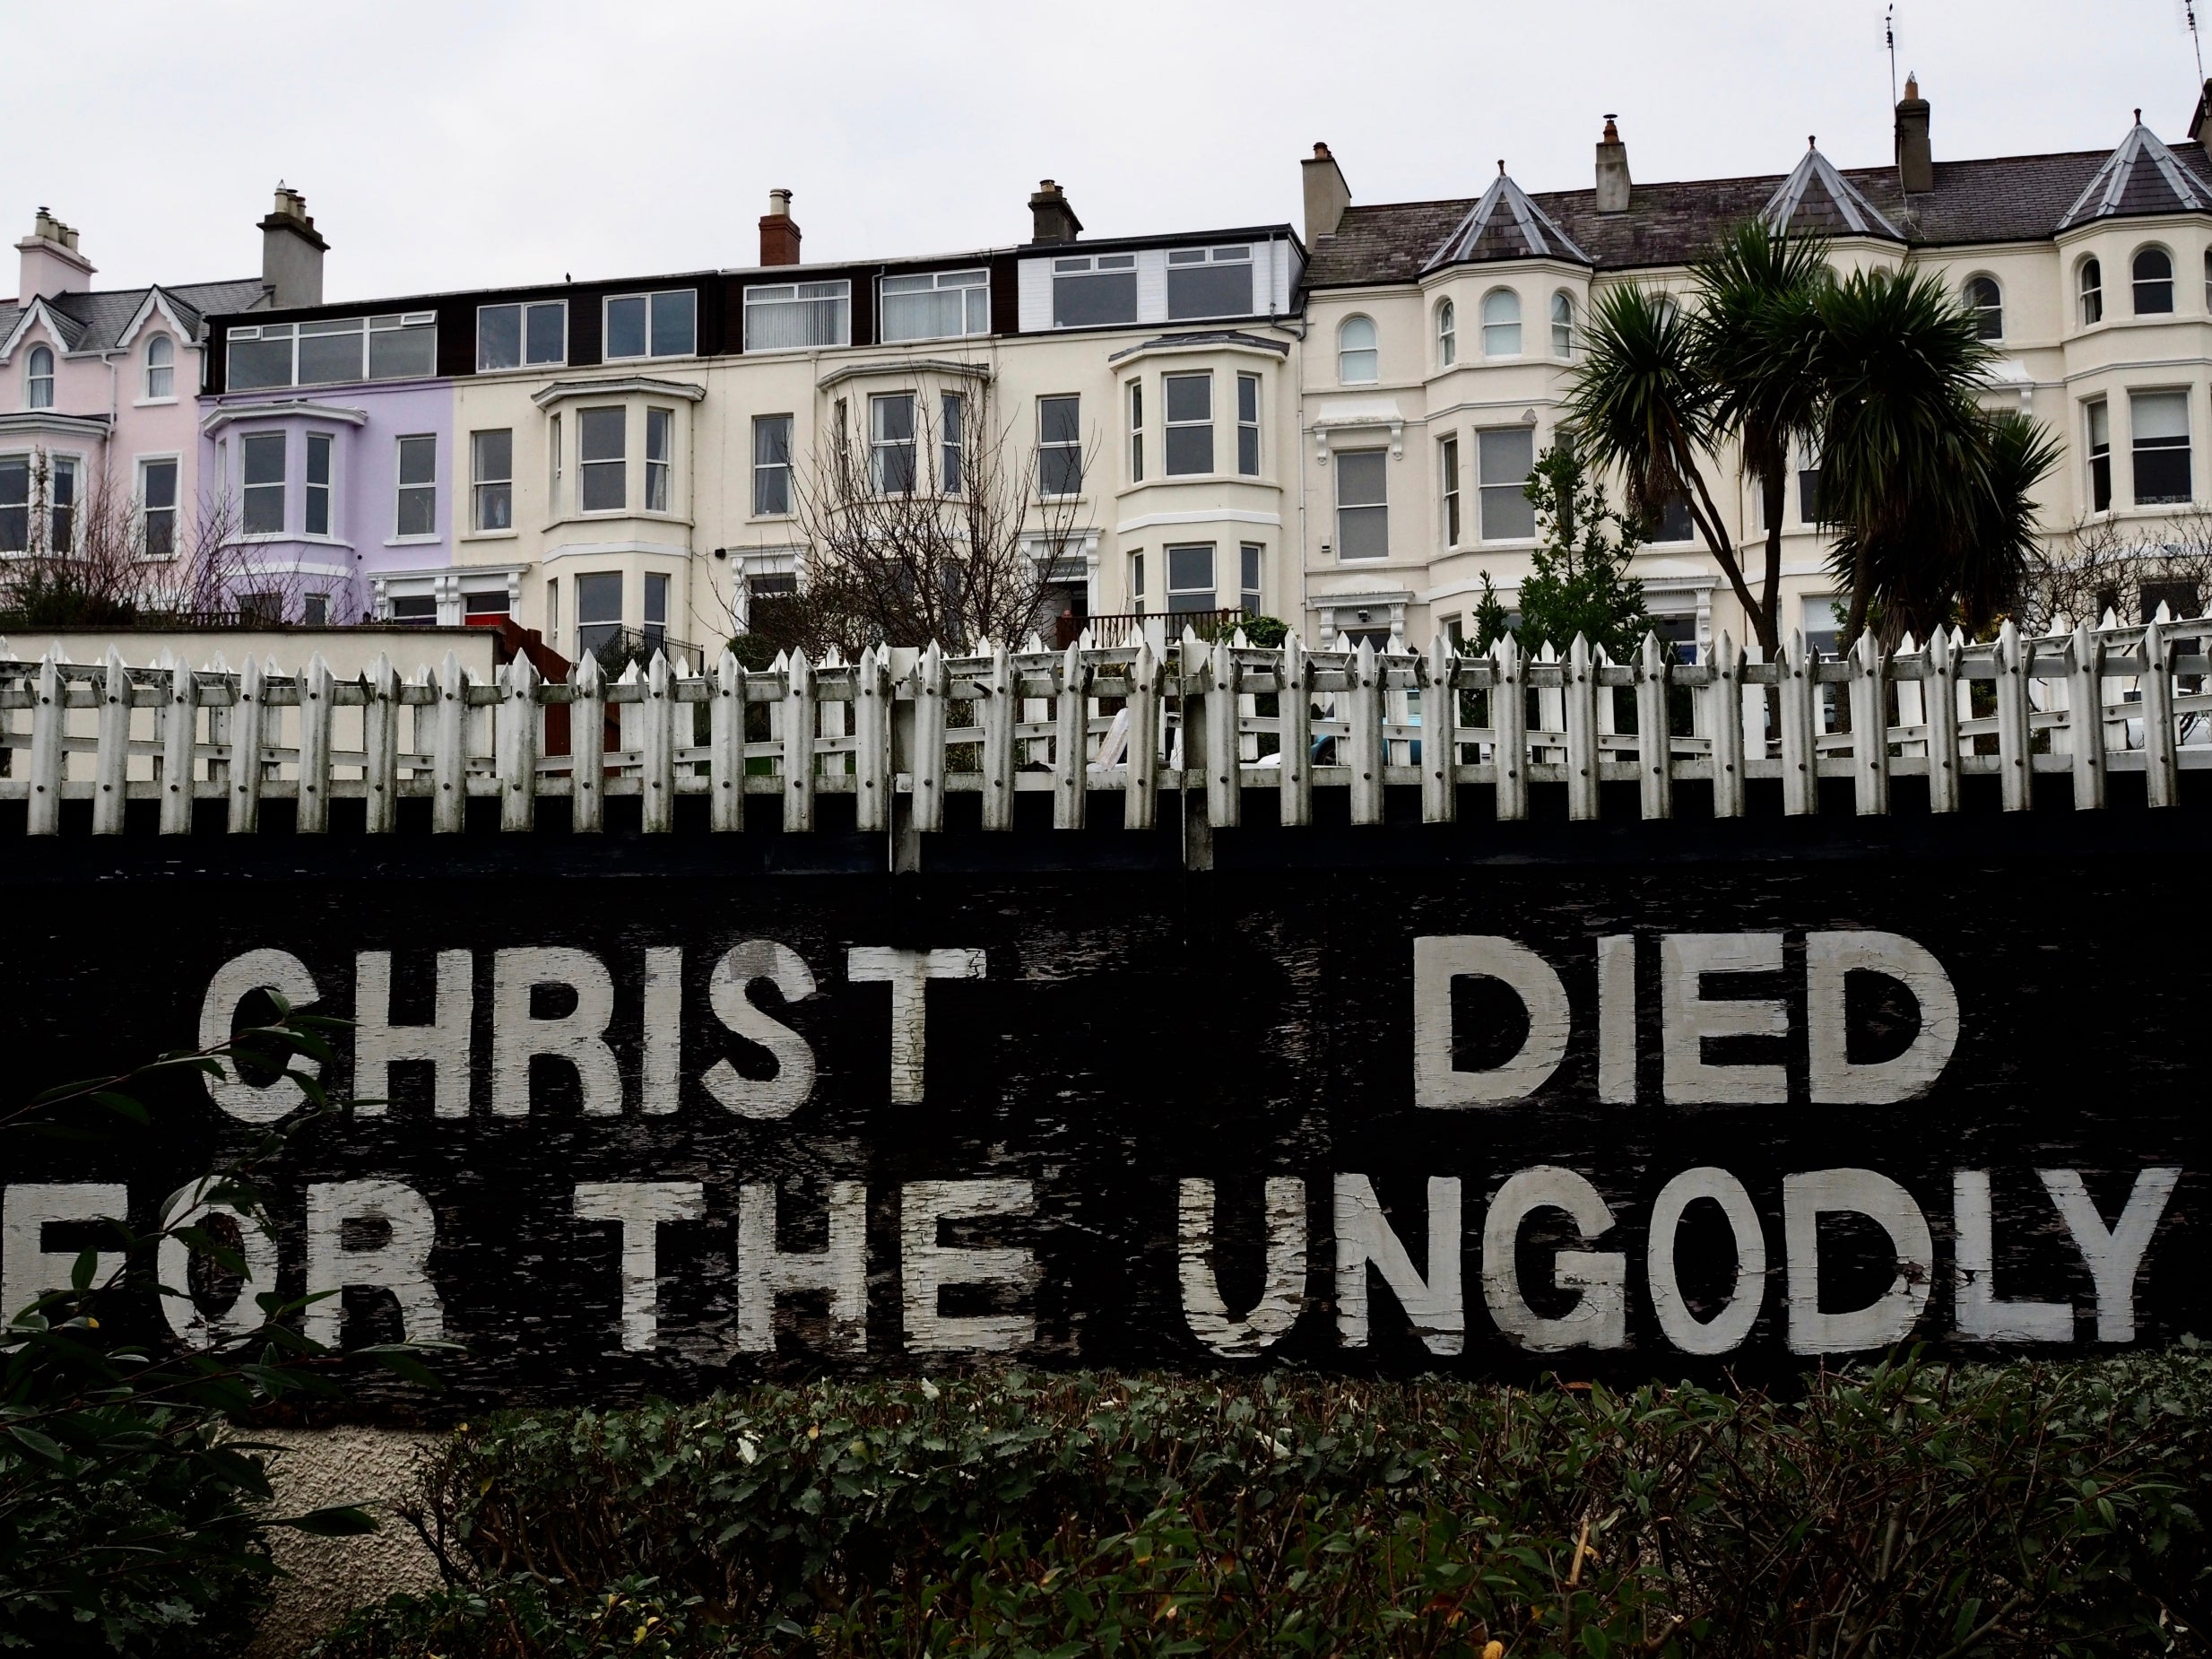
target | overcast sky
x=445, y=144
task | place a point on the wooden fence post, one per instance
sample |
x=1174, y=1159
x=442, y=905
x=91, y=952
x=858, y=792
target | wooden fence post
x=2013, y=763
x=656, y=785
x=515, y=729
x=179, y=732
x=1801, y=700
x=1509, y=724
x=726, y=764
x=1939, y=692
x=798, y=790
x=112, y=768
x=1581, y=692
x=1295, y=706
x=1225, y=790
x=318, y=715
x=2085, y=719
x=449, y=751
x=1141, y=796
x=1654, y=740
x=931, y=685
x=248, y=721
x=587, y=749
x=1869, y=727
x=1724, y=717
x=2160, y=770
x=380, y=746
x=1363, y=703
x=871, y=744
x=1440, y=726
x=1072, y=741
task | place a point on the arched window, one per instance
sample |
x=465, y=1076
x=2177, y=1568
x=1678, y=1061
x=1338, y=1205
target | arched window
x=1357, y=361
x=160, y=367
x=1447, y=334
x=1501, y=323
x=1987, y=303
x=1563, y=324
x=2154, y=281
x=39, y=377
x=2092, y=292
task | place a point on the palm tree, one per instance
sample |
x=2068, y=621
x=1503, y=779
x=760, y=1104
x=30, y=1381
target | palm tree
x=1642, y=403
x=1906, y=453
x=1756, y=333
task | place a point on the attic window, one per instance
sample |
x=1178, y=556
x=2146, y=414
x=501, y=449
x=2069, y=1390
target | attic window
x=331, y=351
x=1210, y=281
x=38, y=378
x=1095, y=289
x=161, y=367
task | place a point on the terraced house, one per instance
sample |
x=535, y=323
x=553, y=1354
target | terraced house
x=636, y=456
x=1443, y=337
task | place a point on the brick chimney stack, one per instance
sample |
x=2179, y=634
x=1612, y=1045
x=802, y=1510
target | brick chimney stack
x=1327, y=195
x=1916, y=160
x=1613, y=185
x=291, y=252
x=779, y=232
x=1051, y=219
x=51, y=264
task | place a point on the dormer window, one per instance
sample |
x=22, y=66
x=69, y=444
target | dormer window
x=662, y=325
x=937, y=305
x=1210, y=281
x=2091, y=280
x=333, y=350
x=38, y=378
x=160, y=368
x=798, y=317
x=1094, y=291
x=512, y=336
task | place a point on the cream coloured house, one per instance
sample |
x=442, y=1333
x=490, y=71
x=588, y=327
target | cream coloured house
x=1442, y=338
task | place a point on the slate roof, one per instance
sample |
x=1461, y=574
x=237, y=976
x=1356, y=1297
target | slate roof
x=1817, y=199
x=1996, y=199
x=1505, y=224
x=2141, y=177
x=98, y=320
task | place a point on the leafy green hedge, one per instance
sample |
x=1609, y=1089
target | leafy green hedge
x=1907, y=1510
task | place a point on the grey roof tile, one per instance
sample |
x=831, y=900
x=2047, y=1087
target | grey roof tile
x=97, y=320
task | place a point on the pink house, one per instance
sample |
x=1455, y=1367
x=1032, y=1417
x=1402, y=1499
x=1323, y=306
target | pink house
x=99, y=445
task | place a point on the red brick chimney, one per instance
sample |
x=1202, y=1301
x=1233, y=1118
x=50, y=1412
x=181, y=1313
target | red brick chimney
x=779, y=232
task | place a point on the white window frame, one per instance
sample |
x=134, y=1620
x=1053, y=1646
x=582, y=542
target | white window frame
x=837, y=296
x=479, y=481
x=1209, y=258
x=1983, y=313
x=620, y=463
x=1562, y=327
x=1134, y=406
x=30, y=458
x=2097, y=411
x=1449, y=489
x=649, y=355
x=282, y=486
x=364, y=328
x=2088, y=293
x=1252, y=577
x=1382, y=459
x=972, y=283
x=168, y=366
x=762, y=469
x=1211, y=592
x=329, y=486
x=1447, y=333
x=1493, y=329
x=523, y=308
x=1485, y=488
x=882, y=449
x=659, y=469
x=57, y=463
x=402, y=488
x=1084, y=267
x=33, y=379
x=951, y=443
x=1249, y=382
x=2185, y=449
x=1170, y=426
x=174, y=460
x=1075, y=445
x=2136, y=284
x=1371, y=351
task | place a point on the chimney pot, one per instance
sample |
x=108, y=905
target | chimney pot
x=779, y=232
x=1916, y=163
x=50, y=262
x=1051, y=219
x=1327, y=195
x=1613, y=183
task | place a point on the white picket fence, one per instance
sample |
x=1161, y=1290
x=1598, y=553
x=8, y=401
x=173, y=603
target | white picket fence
x=902, y=731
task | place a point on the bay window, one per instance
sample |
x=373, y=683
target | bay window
x=64, y=490
x=1248, y=425
x=659, y=463
x=2100, y=416
x=655, y=611
x=1504, y=458
x=890, y=443
x=1190, y=423
x=952, y=443
x=1136, y=431
x=1448, y=463
x=2152, y=281
x=316, y=499
x=2159, y=429
x=261, y=483
x=1251, y=556
x=1190, y=577
x=601, y=460
x=14, y=503
x=598, y=611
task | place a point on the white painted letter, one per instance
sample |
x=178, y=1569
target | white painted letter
x=729, y=990
x=28, y=1269
x=1439, y=960
x=1836, y=1081
x=1687, y=1019
x=1283, y=1294
x=1436, y=1305
x=1617, y=1020
x=173, y=1268
x=1890, y=1317
x=400, y=1264
x=640, y=1206
x=1980, y=1316
x=764, y=1272
x=2115, y=1256
x=1727, y=1329
x=237, y=979
x=577, y=1036
x=662, y=1038
x=1600, y=1317
x=444, y=1042
x=908, y=972
x=928, y=1266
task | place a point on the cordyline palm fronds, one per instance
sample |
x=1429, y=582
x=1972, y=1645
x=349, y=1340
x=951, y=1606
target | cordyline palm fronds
x=1642, y=403
x=1905, y=451
x=1756, y=333
x=1922, y=582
